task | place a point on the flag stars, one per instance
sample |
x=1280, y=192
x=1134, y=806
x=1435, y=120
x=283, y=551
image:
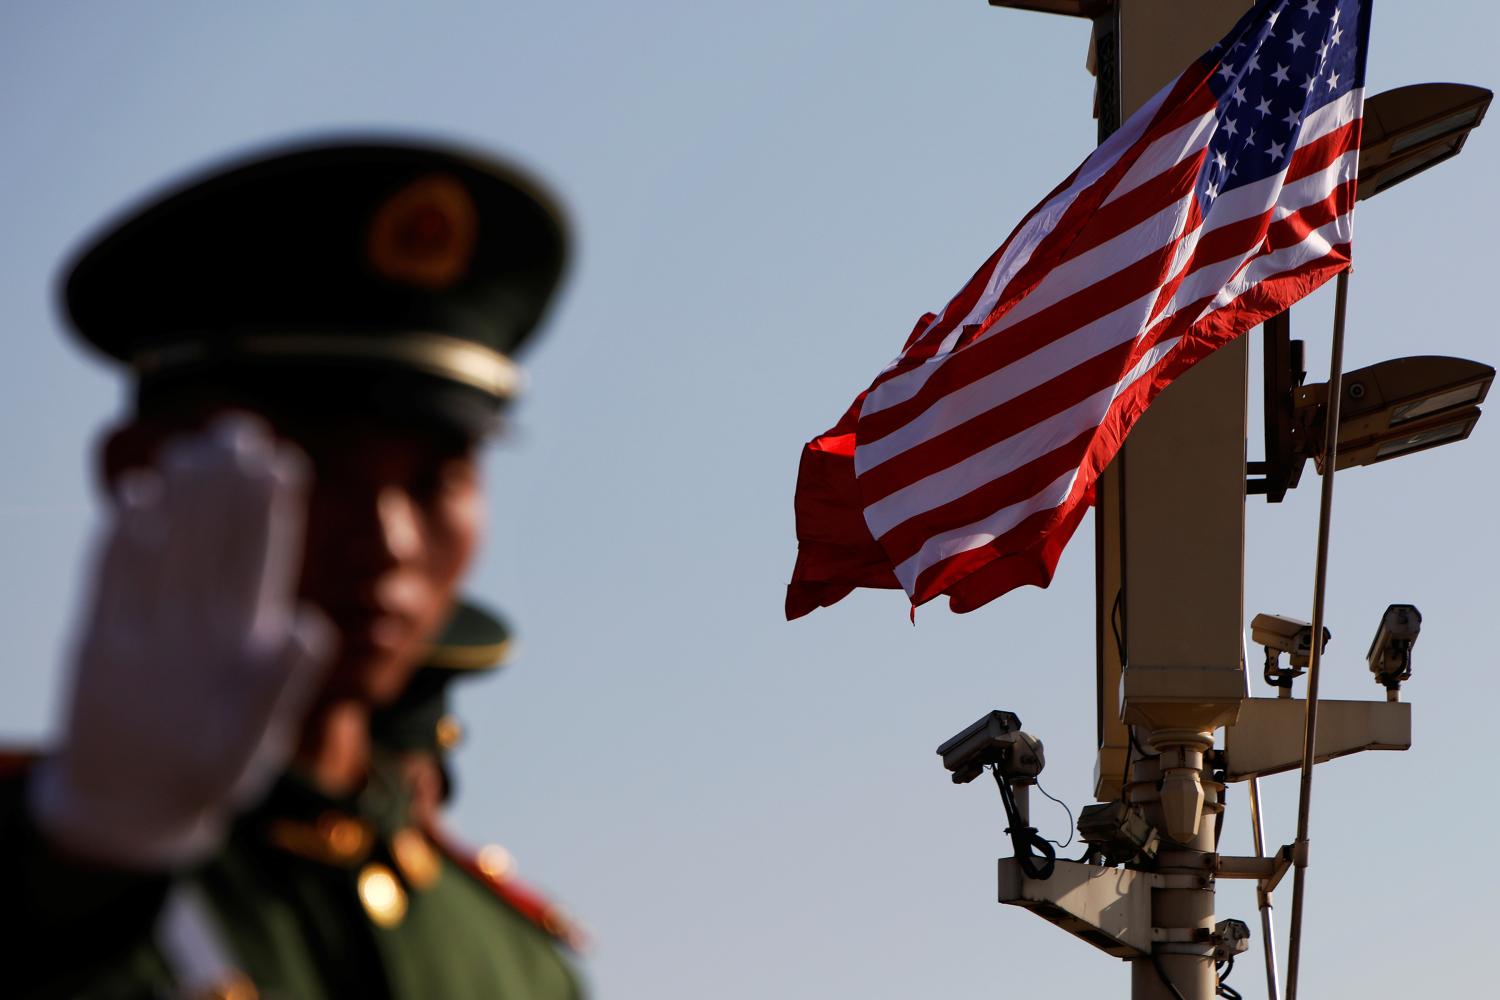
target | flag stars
x=1333, y=79
x=1239, y=95
x=1226, y=71
x=1292, y=119
x=1296, y=41
x=1253, y=65
x=1229, y=126
x=1280, y=76
x=1338, y=33
x=1212, y=191
x=1308, y=84
x=1221, y=159
x=1311, y=8
x=1276, y=150
x=1264, y=107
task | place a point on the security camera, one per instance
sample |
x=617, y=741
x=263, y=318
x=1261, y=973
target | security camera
x=995, y=740
x=1292, y=636
x=1117, y=833
x=1231, y=938
x=1390, y=651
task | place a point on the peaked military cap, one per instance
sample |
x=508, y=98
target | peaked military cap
x=397, y=275
x=473, y=642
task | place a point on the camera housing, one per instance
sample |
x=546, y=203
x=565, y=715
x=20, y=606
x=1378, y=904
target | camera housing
x=1231, y=938
x=1390, y=651
x=1117, y=833
x=1292, y=636
x=996, y=740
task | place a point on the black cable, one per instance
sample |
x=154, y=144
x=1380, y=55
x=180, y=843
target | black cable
x=1225, y=990
x=1114, y=624
x=1064, y=845
x=1028, y=844
x=1223, y=807
x=1171, y=986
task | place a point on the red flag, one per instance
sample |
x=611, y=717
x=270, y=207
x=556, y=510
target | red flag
x=969, y=462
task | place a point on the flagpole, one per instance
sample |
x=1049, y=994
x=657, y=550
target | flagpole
x=1315, y=661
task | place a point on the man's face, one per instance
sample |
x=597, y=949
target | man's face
x=394, y=516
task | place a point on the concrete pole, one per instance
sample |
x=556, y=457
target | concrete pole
x=1182, y=912
x=1174, y=502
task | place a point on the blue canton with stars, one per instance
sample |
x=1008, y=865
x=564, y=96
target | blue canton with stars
x=1284, y=60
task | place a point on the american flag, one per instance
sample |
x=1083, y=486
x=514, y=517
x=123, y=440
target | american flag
x=970, y=460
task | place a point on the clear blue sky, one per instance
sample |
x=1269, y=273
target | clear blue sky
x=766, y=196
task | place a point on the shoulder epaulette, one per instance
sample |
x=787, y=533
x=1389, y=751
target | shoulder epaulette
x=495, y=875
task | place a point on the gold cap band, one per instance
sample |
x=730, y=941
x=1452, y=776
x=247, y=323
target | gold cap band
x=438, y=354
x=467, y=657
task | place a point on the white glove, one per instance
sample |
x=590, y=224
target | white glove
x=196, y=665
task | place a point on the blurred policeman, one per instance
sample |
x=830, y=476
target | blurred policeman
x=320, y=338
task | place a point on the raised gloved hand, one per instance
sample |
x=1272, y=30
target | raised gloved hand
x=196, y=664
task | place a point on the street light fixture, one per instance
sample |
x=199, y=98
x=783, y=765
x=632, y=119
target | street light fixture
x=1406, y=131
x=1410, y=129
x=1397, y=407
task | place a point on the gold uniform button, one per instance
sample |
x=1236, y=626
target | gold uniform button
x=416, y=858
x=345, y=837
x=450, y=733
x=382, y=896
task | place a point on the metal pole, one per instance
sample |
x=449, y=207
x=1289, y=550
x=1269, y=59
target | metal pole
x=1263, y=896
x=1315, y=661
x=1267, y=925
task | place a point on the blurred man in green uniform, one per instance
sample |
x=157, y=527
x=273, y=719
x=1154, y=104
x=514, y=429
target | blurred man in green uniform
x=320, y=339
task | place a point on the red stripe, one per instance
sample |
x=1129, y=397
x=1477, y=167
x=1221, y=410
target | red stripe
x=1125, y=213
x=906, y=539
x=1322, y=151
x=1009, y=557
x=995, y=425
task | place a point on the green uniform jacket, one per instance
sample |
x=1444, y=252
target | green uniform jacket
x=311, y=898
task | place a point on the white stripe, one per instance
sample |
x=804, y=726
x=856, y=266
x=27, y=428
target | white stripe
x=1041, y=366
x=1165, y=153
x=1098, y=264
x=951, y=543
x=982, y=532
x=1317, y=244
x=1332, y=116
x=986, y=465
